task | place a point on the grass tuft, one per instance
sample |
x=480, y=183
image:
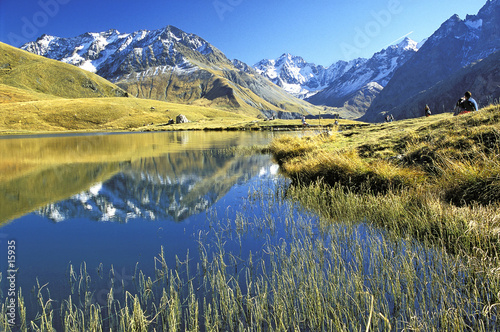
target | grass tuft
x=435, y=179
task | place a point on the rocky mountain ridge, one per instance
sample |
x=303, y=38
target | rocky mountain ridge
x=398, y=74
x=349, y=85
x=305, y=80
x=171, y=65
x=300, y=78
x=378, y=70
x=482, y=78
x=112, y=54
x=455, y=45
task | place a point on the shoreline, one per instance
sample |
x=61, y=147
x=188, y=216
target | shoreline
x=433, y=179
x=250, y=126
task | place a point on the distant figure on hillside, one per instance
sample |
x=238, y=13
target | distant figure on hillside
x=304, y=123
x=466, y=104
x=427, y=110
x=391, y=118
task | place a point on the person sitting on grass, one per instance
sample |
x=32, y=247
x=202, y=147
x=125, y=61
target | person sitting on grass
x=466, y=104
x=427, y=110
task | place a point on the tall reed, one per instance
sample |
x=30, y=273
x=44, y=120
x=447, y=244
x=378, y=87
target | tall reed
x=311, y=274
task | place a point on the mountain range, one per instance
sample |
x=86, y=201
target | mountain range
x=361, y=84
x=456, y=44
x=391, y=80
x=41, y=94
x=350, y=84
x=171, y=65
x=300, y=78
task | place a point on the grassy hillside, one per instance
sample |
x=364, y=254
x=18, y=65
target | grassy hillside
x=436, y=179
x=196, y=90
x=10, y=94
x=39, y=94
x=101, y=114
x=37, y=74
x=223, y=89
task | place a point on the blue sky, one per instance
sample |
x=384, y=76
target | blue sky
x=321, y=31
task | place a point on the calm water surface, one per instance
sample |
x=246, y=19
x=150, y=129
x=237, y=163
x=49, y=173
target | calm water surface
x=109, y=203
x=116, y=199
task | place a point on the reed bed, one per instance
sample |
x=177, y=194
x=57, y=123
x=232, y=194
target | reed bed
x=308, y=274
x=433, y=179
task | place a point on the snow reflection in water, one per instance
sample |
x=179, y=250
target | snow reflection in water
x=221, y=214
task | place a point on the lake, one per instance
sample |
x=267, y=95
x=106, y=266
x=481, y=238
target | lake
x=115, y=200
x=192, y=231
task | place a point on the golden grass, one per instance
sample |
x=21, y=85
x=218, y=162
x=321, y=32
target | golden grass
x=434, y=178
x=33, y=73
x=470, y=231
x=465, y=181
x=102, y=114
x=292, y=146
x=10, y=94
x=413, y=151
x=308, y=159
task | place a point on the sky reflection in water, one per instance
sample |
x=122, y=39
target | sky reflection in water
x=128, y=207
x=113, y=202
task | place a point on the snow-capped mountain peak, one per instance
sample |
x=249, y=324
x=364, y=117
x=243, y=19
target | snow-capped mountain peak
x=456, y=44
x=299, y=77
x=320, y=84
x=408, y=44
x=106, y=52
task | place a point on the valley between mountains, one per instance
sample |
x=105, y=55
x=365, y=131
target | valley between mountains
x=145, y=79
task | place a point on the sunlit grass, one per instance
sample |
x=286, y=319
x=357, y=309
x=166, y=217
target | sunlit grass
x=436, y=179
x=108, y=114
x=311, y=275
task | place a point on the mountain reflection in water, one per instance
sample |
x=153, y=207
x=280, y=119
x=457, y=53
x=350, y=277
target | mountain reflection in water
x=171, y=187
x=171, y=174
x=113, y=201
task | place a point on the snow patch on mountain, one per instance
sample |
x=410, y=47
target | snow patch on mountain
x=112, y=54
x=300, y=78
x=477, y=24
x=307, y=80
x=379, y=69
x=456, y=44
